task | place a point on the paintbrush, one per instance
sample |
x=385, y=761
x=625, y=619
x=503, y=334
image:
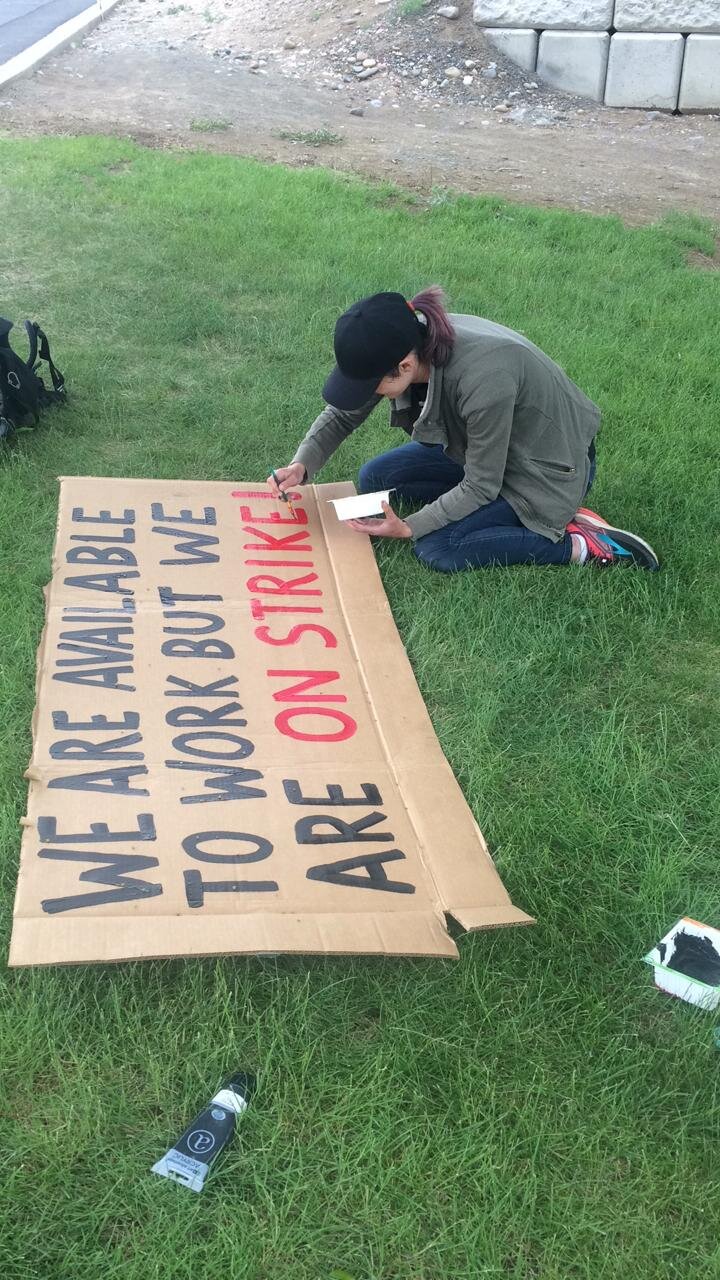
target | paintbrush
x=284, y=497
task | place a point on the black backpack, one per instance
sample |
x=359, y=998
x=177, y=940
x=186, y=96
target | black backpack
x=22, y=392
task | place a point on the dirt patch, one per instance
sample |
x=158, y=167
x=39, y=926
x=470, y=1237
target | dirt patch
x=217, y=75
x=703, y=261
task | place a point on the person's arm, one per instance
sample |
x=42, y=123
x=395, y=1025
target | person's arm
x=327, y=433
x=489, y=422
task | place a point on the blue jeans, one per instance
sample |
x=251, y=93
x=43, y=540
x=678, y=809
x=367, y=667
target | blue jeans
x=492, y=535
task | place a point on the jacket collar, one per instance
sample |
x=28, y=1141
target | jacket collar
x=429, y=425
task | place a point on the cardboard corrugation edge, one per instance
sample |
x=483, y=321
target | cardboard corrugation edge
x=29, y=775
x=367, y=933
x=42, y=645
x=455, y=882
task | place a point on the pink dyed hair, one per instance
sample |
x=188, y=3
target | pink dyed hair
x=438, y=345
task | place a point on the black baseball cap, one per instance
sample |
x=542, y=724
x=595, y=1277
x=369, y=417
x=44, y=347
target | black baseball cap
x=371, y=338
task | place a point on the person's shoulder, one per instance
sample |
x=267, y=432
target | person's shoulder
x=478, y=330
x=482, y=347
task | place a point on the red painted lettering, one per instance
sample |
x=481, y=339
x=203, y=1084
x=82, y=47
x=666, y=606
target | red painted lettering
x=259, y=610
x=285, y=723
x=294, y=634
x=283, y=564
x=287, y=542
x=299, y=692
x=283, y=586
x=264, y=494
x=247, y=517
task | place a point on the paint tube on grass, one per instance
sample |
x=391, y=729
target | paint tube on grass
x=190, y=1159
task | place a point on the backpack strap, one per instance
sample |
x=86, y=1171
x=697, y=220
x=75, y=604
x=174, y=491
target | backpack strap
x=34, y=332
x=31, y=330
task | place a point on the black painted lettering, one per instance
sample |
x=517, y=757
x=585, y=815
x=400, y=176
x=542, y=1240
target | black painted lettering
x=189, y=689
x=127, y=535
x=107, y=781
x=185, y=516
x=91, y=613
x=335, y=794
x=207, y=717
x=82, y=749
x=103, y=677
x=193, y=546
x=229, y=781
x=91, y=655
x=169, y=598
x=197, y=649
x=196, y=887
x=102, y=517
x=61, y=720
x=344, y=832
x=262, y=848
x=99, y=832
x=109, y=582
x=213, y=620
x=242, y=747
x=372, y=863
x=114, y=872
x=100, y=555
x=106, y=635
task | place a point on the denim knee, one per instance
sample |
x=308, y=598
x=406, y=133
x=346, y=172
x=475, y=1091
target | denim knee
x=434, y=552
x=367, y=480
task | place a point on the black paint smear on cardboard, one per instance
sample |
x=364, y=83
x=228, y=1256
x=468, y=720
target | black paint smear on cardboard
x=696, y=957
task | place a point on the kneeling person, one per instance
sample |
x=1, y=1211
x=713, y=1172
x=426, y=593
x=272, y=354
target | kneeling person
x=502, y=448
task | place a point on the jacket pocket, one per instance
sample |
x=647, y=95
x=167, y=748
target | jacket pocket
x=561, y=469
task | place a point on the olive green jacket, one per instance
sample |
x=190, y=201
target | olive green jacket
x=504, y=411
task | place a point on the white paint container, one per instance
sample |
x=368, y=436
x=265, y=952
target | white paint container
x=670, y=950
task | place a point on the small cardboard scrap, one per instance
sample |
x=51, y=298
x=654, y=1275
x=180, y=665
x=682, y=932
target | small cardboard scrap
x=361, y=505
x=230, y=752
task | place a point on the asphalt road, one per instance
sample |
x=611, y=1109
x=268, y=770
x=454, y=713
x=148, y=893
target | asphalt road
x=23, y=22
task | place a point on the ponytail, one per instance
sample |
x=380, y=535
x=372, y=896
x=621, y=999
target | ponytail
x=440, y=335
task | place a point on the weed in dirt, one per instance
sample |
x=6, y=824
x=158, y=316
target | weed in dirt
x=209, y=126
x=311, y=137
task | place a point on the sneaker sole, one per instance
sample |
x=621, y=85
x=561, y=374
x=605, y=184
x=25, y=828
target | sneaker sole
x=640, y=550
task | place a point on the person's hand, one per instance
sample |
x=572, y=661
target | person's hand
x=390, y=526
x=288, y=476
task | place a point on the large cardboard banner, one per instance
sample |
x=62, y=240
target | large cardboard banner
x=231, y=753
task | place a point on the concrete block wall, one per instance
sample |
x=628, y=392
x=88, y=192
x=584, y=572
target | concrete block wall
x=625, y=53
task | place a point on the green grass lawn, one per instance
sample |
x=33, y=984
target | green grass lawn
x=535, y=1110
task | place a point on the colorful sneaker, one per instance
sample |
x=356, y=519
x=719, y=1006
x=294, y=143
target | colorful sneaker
x=592, y=549
x=611, y=543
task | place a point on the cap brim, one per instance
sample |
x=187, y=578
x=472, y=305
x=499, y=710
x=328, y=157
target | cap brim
x=348, y=393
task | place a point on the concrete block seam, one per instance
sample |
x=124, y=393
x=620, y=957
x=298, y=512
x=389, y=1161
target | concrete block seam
x=689, y=94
